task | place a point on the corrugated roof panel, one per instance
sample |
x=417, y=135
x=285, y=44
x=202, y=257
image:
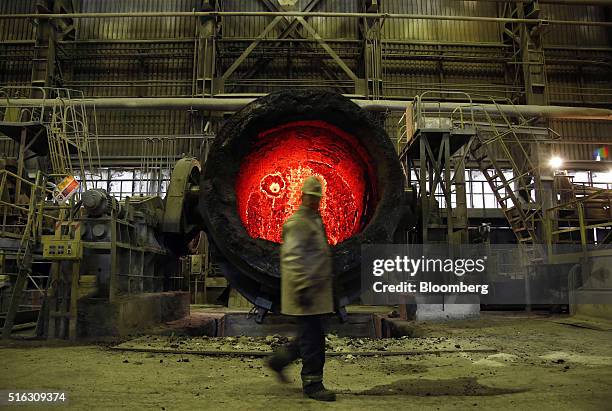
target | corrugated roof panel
x=336, y=27
x=17, y=29
x=571, y=34
x=136, y=27
x=246, y=26
x=441, y=30
x=580, y=139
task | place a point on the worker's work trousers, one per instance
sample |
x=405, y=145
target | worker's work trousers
x=309, y=345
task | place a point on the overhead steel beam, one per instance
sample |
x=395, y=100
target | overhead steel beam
x=298, y=14
x=234, y=104
x=249, y=49
x=294, y=23
x=290, y=29
x=328, y=49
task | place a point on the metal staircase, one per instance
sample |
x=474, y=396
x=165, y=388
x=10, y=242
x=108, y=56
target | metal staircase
x=499, y=136
x=500, y=141
x=56, y=126
x=513, y=194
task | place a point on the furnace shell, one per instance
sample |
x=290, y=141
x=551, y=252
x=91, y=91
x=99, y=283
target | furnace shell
x=252, y=264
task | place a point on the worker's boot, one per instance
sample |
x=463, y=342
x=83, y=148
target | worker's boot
x=319, y=392
x=277, y=362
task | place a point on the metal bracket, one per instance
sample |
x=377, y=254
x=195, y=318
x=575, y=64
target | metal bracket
x=262, y=307
x=341, y=310
x=342, y=314
x=260, y=314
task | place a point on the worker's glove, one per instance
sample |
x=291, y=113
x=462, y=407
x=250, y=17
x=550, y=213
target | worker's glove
x=304, y=300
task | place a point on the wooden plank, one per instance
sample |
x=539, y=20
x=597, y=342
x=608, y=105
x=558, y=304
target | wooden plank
x=358, y=325
x=218, y=353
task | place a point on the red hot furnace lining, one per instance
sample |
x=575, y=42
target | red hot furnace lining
x=271, y=175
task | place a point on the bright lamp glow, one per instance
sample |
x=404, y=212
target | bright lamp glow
x=555, y=162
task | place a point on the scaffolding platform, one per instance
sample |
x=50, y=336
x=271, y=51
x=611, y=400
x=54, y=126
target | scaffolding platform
x=459, y=137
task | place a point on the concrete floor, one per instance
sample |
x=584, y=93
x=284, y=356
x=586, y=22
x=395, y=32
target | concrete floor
x=540, y=364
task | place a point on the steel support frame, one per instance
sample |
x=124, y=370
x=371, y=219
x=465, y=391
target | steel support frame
x=205, y=58
x=206, y=81
x=230, y=70
x=46, y=71
x=289, y=29
x=330, y=51
x=372, y=64
x=434, y=172
x=288, y=34
x=529, y=20
x=527, y=67
x=401, y=16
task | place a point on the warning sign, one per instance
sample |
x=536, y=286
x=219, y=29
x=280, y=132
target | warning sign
x=66, y=188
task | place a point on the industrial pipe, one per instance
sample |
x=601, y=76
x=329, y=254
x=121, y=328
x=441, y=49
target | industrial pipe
x=235, y=104
x=601, y=3
x=559, y=112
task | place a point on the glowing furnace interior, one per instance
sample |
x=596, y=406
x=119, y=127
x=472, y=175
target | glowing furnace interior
x=271, y=175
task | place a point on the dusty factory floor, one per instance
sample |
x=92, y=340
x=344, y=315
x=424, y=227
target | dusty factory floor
x=498, y=362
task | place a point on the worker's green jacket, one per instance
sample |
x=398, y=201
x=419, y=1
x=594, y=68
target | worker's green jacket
x=306, y=264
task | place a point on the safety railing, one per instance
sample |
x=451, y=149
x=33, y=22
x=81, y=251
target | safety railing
x=16, y=209
x=427, y=111
x=583, y=211
x=158, y=159
x=14, y=109
x=62, y=112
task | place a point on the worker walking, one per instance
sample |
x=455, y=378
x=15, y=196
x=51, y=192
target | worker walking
x=306, y=291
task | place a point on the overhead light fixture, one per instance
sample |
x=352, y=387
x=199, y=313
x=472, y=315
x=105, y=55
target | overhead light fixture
x=555, y=162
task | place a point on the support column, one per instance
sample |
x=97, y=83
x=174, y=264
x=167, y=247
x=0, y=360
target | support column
x=207, y=84
x=43, y=62
x=532, y=54
x=536, y=93
x=372, y=53
x=45, y=68
x=460, y=211
x=527, y=67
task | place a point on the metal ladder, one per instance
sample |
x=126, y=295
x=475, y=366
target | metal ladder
x=30, y=238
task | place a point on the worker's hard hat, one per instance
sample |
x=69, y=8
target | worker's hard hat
x=312, y=186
